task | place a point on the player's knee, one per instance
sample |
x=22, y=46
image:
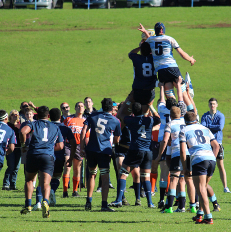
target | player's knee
x=169, y=93
x=93, y=171
x=174, y=175
x=104, y=171
x=124, y=172
x=144, y=174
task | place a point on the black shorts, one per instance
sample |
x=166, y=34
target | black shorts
x=77, y=152
x=155, y=151
x=220, y=154
x=59, y=164
x=142, y=96
x=188, y=163
x=176, y=164
x=170, y=74
x=43, y=163
x=100, y=159
x=142, y=159
x=120, y=151
x=206, y=167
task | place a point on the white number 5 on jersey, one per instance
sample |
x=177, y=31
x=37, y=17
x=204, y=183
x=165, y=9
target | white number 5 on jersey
x=100, y=125
x=142, y=131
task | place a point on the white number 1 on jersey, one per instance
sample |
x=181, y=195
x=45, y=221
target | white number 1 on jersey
x=45, y=130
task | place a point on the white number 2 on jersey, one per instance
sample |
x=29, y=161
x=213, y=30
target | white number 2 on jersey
x=2, y=135
x=45, y=130
x=100, y=127
x=147, y=69
x=142, y=131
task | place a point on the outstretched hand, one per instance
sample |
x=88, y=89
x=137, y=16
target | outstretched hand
x=192, y=61
x=142, y=29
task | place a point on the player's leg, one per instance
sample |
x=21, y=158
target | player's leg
x=76, y=176
x=66, y=172
x=212, y=197
x=181, y=194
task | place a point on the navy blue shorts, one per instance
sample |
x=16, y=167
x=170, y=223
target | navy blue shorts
x=155, y=151
x=59, y=164
x=170, y=74
x=120, y=151
x=42, y=163
x=220, y=154
x=143, y=96
x=176, y=164
x=142, y=159
x=206, y=167
x=77, y=152
x=188, y=163
x=100, y=159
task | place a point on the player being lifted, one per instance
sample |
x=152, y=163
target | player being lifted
x=144, y=80
x=166, y=66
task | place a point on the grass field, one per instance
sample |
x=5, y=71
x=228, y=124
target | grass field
x=52, y=56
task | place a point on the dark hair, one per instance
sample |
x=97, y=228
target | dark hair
x=175, y=112
x=107, y=104
x=145, y=49
x=87, y=98
x=190, y=117
x=137, y=108
x=3, y=115
x=212, y=99
x=77, y=103
x=55, y=114
x=28, y=109
x=170, y=102
x=43, y=112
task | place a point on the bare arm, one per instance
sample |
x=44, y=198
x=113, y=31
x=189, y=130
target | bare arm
x=142, y=29
x=215, y=147
x=73, y=149
x=185, y=56
x=116, y=139
x=59, y=146
x=82, y=140
x=162, y=98
x=10, y=148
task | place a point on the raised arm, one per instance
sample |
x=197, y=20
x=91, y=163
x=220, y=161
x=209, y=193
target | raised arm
x=142, y=29
x=185, y=56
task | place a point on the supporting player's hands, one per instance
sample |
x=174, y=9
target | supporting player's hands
x=160, y=84
x=69, y=162
x=192, y=61
x=187, y=172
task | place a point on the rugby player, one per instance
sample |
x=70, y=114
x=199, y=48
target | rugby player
x=75, y=123
x=199, y=140
x=166, y=66
x=41, y=157
x=7, y=137
x=144, y=80
x=55, y=117
x=139, y=154
x=215, y=121
x=99, y=149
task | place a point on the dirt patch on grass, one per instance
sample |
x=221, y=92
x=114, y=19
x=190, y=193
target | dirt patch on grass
x=210, y=26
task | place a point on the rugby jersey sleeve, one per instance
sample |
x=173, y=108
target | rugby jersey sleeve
x=59, y=136
x=174, y=43
x=167, y=128
x=12, y=139
x=182, y=137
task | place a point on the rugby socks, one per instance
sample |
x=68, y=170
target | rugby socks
x=39, y=195
x=153, y=178
x=34, y=183
x=89, y=199
x=28, y=202
x=120, y=189
x=147, y=189
x=208, y=216
x=66, y=179
x=171, y=196
x=44, y=199
x=196, y=197
x=104, y=204
x=181, y=198
x=200, y=213
x=137, y=190
x=168, y=183
x=190, y=107
x=163, y=186
x=76, y=181
x=54, y=184
x=213, y=199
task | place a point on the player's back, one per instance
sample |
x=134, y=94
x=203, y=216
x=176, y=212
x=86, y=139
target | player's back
x=44, y=136
x=161, y=47
x=198, y=139
x=144, y=77
x=7, y=135
x=141, y=132
x=102, y=125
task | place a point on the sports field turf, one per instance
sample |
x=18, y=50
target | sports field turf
x=51, y=56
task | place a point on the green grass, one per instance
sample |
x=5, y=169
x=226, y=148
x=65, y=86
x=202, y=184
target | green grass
x=52, y=56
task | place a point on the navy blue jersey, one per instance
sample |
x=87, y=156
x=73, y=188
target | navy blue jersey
x=7, y=136
x=44, y=136
x=125, y=138
x=102, y=125
x=144, y=77
x=141, y=131
x=67, y=136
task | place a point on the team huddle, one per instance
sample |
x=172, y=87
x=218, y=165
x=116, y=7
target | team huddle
x=138, y=137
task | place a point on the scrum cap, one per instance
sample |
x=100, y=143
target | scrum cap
x=158, y=27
